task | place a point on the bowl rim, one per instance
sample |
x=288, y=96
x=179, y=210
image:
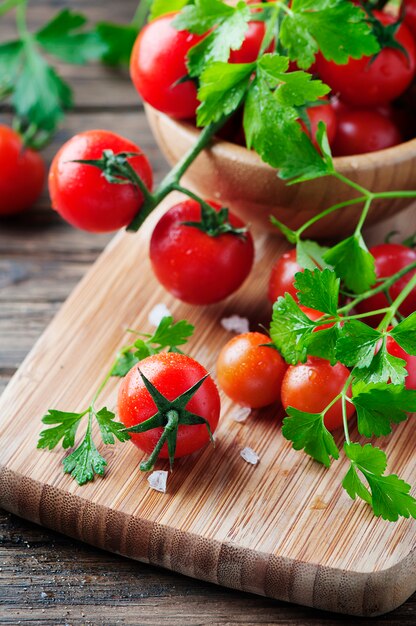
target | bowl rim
x=380, y=158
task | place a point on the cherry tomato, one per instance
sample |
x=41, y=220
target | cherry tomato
x=194, y=266
x=158, y=63
x=172, y=374
x=250, y=49
x=322, y=113
x=389, y=259
x=22, y=173
x=315, y=315
x=408, y=12
x=250, y=373
x=363, y=130
x=82, y=195
x=394, y=349
x=370, y=82
x=283, y=275
x=311, y=386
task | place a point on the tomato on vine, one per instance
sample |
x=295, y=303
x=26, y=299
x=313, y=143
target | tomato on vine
x=91, y=198
x=201, y=253
x=249, y=371
x=22, y=173
x=158, y=67
x=170, y=405
x=408, y=13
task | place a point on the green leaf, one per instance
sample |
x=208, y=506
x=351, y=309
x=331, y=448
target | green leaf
x=110, y=428
x=384, y=367
x=289, y=329
x=160, y=7
x=64, y=38
x=353, y=263
x=337, y=28
x=223, y=86
x=124, y=364
x=230, y=23
x=390, y=497
x=118, y=41
x=307, y=432
x=318, y=289
x=357, y=344
x=405, y=334
x=85, y=462
x=290, y=234
x=40, y=96
x=10, y=60
x=65, y=429
x=310, y=254
x=169, y=333
x=380, y=404
x=323, y=343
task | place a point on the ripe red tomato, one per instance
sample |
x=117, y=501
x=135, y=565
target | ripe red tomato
x=363, y=130
x=311, y=386
x=22, y=173
x=194, y=266
x=250, y=373
x=82, y=195
x=283, y=275
x=370, y=82
x=250, y=49
x=172, y=374
x=394, y=349
x=158, y=62
x=389, y=259
x=408, y=12
x=322, y=113
x=315, y=315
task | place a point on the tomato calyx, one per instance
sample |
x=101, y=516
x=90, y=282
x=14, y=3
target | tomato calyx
x=385, y=35
x=215, y=223
x=170, y=415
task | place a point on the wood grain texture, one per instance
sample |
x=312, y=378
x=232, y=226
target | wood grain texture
x=284, y=528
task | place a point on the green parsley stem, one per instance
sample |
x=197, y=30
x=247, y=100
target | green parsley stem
x=328, y=211
x=364, y=214
x=8, y=5
x=21, y=19
x=140, y=15
x=352, y=184
x=397, y=302
x=344, y=418
x=394, y=194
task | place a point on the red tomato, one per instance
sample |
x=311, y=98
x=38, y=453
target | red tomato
x=250, y=49
x=315, y=315
x=389, y=259
x=394, y=349
x=158, y=62
x=193, y=266
x=82, y=195
x=283, y=275
x=172, y=374
x=311, y=386
x=408, y=11
x=322, y=113
x=363, y=130
x=22, y=173
x=250, y=373
x=370, y=82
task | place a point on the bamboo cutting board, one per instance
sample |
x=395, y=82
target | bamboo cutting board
x=284, y=528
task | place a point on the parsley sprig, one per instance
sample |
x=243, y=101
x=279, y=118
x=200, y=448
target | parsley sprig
x=86, y=461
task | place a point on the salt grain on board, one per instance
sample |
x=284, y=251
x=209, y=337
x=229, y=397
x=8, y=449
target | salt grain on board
x=158, y=480
x=250, y=456
x=235, y=324
x=157, y=314
x=241, y=414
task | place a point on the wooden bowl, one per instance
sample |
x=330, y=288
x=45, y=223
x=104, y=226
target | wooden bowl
x=240, y=180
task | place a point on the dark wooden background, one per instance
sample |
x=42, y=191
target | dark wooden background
x=46, y=578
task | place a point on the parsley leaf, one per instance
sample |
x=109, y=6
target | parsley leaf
x=229, y=26
x=310, y=254
x=353, y=263
x=160, y=7
x=109, y=427
x=323, y=343
x=337, y=28
x=382, y=368
x=289, y=328
x=318, y=289
x=65, y=429
x=307, y=431
x=357, y=344
x=85, y=461
x=379, y=404
x=118, y=41
x=405, y=334
x=10, y=59
x=390, y=497
x=62, y=38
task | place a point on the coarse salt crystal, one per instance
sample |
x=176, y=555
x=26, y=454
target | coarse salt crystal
x=235, y=324
x=241, y=414
x=158, y=480
x=250, y=456
x=157, y=314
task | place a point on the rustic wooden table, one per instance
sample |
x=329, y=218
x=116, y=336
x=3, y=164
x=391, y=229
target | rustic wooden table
x=46, y=578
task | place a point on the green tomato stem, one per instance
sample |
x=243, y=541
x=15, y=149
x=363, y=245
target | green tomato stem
x=172, y=425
